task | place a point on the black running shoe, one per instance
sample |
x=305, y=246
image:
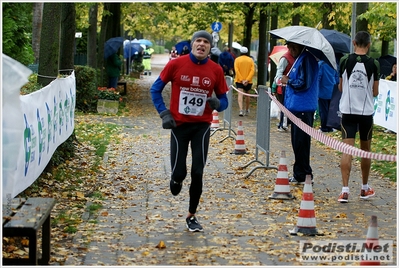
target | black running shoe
x=175, y=187
x=193, y=225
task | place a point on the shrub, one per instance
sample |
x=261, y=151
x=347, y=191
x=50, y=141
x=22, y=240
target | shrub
x=86, y=88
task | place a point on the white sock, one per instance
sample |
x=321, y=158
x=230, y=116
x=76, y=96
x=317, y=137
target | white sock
x=345, y=189
x=365, y=186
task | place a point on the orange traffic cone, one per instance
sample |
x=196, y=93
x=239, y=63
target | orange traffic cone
x=371, y=240
x=215, y=120
x=282, y=186
x=306, y=219
x=240, y=144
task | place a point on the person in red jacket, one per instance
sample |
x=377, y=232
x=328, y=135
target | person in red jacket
x=195, y=80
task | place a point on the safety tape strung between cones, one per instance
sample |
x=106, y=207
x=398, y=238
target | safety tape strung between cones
x=246, y=94
x=333, y=143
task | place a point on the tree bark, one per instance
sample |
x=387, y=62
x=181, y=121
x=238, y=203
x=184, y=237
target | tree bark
x=263, y=43
x=249, y=16
x=92, y=37
x=361, y=25
x=296, y=18
x=36, y=29
x=67, y=40
x=326, y=21
x=50, y=43
x=273, y=41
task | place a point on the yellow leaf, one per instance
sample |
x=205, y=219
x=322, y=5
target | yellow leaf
x=161, y=245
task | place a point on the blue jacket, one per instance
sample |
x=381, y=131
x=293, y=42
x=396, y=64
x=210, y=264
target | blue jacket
x=328, y=78
x=302, y=90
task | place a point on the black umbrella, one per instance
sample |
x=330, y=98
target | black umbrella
x=340, y=42
x=112, y=45
x=386, y=63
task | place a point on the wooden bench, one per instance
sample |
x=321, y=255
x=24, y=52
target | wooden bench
x=24, y=218
x=124, y=84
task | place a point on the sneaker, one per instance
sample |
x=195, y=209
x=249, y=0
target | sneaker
x=246, y=112
x=193, y=225
x=241, y=113
x=175, y=187
x=282, y=129
x=365, y=194
x=343, y=197
x=294, y=181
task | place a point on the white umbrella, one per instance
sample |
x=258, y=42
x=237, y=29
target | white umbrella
x=314, y=41
x=235, y=45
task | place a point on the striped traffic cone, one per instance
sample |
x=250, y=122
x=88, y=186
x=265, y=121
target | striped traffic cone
x=215, y=120
x=306, y=219
x=240, y=143
x=371, y=240
x=282, y=186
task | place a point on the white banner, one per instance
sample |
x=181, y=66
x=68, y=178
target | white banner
x=47, y=121
x=385, y=114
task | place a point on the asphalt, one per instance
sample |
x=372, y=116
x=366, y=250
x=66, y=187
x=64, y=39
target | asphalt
x=242, y=226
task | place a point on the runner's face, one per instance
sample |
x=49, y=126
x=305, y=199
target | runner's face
x=201, y=48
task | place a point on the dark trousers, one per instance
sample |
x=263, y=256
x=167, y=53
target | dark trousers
x=324, y=106
x=112, y=82
x=301, y=145
x=197, y=136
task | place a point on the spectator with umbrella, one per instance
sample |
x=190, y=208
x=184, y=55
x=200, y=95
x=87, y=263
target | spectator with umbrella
x=113, y=63
x=284, y=60
x=301, y=92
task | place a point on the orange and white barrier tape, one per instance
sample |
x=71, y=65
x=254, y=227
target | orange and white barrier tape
x=333, y=143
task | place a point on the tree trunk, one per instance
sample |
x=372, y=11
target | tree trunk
x=110, y=27
x=67, y=41
x=384, y=48
x=249, y=16
x=263, y=43
x=50, y=43
x=36, y=29
x=326, y=21
x=92, y=37
x=101, y=41
x=361, y=25
x=273, y=41
x=296, y=18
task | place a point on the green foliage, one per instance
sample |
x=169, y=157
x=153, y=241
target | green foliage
x=86, y=88
x=104, y=93
x=31, y=86
x=17, y=31
x=137, y=67
x=381, y=18
x=159, y=49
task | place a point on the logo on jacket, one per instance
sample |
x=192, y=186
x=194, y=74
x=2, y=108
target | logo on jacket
x=185, y=78
x=206, y=82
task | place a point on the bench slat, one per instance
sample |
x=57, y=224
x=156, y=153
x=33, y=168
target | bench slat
x=32, y=214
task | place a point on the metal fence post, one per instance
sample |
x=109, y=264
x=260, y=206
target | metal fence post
x=262, y=130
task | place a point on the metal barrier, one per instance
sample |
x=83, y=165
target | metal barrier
x=262, y=130
x=227, y=112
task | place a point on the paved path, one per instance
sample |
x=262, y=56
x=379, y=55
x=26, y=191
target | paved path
x=242, y=226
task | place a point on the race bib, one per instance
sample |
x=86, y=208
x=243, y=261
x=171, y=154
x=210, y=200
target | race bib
x=192, y=103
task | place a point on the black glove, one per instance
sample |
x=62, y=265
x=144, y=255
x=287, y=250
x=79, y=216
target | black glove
x=167, y=120
x=214, y=103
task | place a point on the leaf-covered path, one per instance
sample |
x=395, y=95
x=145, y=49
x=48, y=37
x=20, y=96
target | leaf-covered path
x=141, y=223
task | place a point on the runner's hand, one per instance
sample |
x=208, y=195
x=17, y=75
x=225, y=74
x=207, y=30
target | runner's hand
x=214, y=103
x=168, y=121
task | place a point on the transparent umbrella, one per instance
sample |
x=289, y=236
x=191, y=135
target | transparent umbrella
x=309, y=37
